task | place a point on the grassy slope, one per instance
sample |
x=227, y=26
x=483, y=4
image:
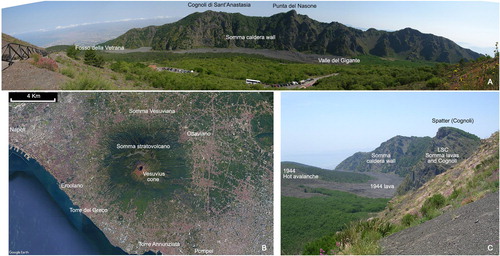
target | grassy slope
x=472, y=75
x=85, y=77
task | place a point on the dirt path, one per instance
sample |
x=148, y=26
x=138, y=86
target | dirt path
x=311, y=82
x=471, y=229
x=24, y=76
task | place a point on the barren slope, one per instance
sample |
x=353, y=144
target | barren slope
x=471, y=230
x=24, y=76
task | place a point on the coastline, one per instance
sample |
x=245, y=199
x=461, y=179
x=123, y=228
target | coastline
x=19, y=161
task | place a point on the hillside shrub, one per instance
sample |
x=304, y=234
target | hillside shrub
x=72, y=52
x=431, y=205
x=454, y=194
x=378, y=86
x=36, y=57
x=45, y=63
x=68, y=72
x=434, y=82
x=408, y=219
x=87, y=83
x=93, y=59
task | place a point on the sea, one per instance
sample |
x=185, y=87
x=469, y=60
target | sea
x=39, y=219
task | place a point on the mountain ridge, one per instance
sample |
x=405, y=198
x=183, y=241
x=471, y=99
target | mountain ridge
x=418, y=159
x=293, y=32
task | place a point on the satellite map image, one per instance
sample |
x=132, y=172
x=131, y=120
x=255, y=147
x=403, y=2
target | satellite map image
x=142, y=173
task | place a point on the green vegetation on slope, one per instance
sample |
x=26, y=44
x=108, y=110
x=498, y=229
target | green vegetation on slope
x=234, y=68
x=374, y=73
x=85, y=82
x=472, y=75
x=306, y=219
x=231, y=69
x=431, y=205
x=329, y=175
x=228, y=71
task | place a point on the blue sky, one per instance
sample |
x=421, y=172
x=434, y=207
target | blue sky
x=323, y=128
x=471, y=24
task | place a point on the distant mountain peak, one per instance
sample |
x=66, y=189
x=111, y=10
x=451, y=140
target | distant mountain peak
x=444, y=132
x=294, y=13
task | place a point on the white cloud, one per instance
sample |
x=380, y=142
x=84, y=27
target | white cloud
x=109, y=21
